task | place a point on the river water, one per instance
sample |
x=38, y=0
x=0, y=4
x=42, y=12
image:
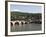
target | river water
x=26, y=27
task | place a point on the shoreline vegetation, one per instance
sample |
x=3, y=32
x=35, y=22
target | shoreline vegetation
x=34, y=17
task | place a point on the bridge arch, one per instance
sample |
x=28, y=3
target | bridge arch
x=17, y=22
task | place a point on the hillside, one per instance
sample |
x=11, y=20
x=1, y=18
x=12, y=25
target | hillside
x=21, y=15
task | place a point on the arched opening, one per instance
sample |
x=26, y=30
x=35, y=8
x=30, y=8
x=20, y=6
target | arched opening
x=16, y=23
x=11, y=23
x=22, y=23
x=26, y=23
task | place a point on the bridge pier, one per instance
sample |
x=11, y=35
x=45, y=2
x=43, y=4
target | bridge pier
x=19, y=23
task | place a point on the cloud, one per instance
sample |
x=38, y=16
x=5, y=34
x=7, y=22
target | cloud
x=16, y=10
x=25, y=11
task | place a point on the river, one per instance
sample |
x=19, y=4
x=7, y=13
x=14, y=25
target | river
x=26, y=27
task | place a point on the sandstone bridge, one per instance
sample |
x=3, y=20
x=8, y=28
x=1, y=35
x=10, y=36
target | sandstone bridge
x=17, y=22
x=22, y=22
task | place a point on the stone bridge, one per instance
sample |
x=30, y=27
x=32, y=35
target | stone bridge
x=17, y=22
x=22, y=22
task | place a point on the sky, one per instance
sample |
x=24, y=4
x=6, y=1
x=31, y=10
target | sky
x=26, y=8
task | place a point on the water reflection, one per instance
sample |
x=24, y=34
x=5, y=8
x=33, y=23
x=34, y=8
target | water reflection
x=26, y=27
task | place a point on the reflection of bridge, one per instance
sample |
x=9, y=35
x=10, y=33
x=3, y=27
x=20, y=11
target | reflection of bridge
x=17, y=22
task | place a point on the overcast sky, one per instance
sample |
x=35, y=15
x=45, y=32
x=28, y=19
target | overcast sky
x=26, y=8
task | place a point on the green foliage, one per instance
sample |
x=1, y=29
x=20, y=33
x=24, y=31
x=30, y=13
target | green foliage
x=24, y=16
